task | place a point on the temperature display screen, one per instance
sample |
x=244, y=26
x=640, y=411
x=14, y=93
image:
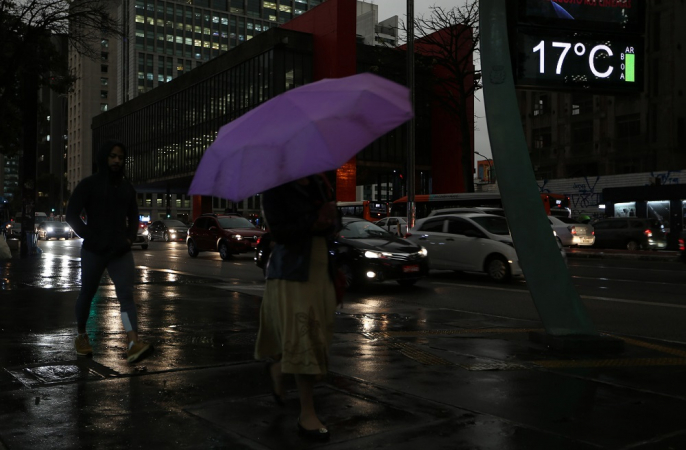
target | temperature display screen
x=606, y=15
x=576, y=60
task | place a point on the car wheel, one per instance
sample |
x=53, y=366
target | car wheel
x=192, y=249
x=498, y=269
x=224, y=251
x=633, y=245
x=166, y=237
x=144, y=246
x=407, y=283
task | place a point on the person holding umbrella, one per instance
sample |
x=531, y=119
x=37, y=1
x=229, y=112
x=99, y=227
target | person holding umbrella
x=297, y=311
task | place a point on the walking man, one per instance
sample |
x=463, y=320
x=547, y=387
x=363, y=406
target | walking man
x=108, y=200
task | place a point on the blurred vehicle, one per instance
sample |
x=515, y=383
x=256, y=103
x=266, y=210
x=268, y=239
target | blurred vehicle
x=262, y=251
x=467, y=209
x=391, y=224
x=54, y=229
x=168, y=230
x=468, y=242
x=141, y=236
x=571, y=232
x=631, y=233
x=365, y=253
x=13, y=230
x=682, y=246
x=228, y=234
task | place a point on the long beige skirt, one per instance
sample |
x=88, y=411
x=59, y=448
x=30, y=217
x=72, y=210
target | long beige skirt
x=297, y=318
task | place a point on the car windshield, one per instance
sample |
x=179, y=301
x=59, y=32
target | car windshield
x=493, y=224
x=235, y=222
x=361, y=229
x=174, y=223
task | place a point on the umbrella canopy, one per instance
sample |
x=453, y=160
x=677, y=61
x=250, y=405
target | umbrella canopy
x=307, y=130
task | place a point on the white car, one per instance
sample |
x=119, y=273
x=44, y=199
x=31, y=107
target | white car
x=468, y=242
x=391, y=224
x=571, y=232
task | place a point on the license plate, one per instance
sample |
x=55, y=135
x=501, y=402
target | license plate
x=408, y=269
x=586, y=239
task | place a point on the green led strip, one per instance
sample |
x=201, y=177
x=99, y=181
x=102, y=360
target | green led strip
x=630, y=67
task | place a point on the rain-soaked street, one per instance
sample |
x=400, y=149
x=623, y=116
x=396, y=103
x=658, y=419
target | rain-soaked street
x=404, y=374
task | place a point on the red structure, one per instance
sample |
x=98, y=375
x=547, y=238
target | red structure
x=332, y=25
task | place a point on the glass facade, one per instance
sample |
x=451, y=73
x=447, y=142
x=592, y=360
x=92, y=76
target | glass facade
x=167, y=137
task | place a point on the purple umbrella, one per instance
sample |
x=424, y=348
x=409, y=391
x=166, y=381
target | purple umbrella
x=307, y=130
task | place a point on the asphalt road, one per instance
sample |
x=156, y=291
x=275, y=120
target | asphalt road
x=632, y=297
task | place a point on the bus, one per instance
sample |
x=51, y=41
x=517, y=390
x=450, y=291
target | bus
x=364, y=209
x=554, y=204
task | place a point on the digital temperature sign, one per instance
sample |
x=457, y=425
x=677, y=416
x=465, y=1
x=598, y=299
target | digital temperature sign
x=579, y=61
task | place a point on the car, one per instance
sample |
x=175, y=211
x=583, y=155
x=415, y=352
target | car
x=54, y=229
x=228, y=234
x=168, y=230
x=571, y=232
x=467, y=210
x=391, y=224
x=141, y=236
x=468, y=242
x=365, y=253
x=631, y=233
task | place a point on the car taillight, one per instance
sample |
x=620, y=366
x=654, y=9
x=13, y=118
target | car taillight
x=648, y=233
x=259, y=239
x=682, y=247
x=572, y=229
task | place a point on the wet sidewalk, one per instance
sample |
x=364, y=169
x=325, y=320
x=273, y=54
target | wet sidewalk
x=402, y=377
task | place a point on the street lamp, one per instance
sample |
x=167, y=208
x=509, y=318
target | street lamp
x=491, y=170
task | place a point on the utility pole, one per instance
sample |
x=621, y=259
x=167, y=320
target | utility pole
x=411, y=124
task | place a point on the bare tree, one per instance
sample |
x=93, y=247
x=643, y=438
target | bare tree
x=26, y=29
x=451, y=39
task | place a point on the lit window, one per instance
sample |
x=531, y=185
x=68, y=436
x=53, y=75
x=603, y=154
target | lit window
x=197, y=42
x=270, y=5
x=105, y=43
x=179, y=39
x=215, y=19
x=189, y=41
x=169, y=78
x=103, y=106
x=206, y=31
x=285, y=8
x=160, y=78
x=160, y=22
x=149, y=76
x=151, y=21
x=103, y=81
x=206, y=44
x=215, y=45
x=141, y=75
x=140, y=19
x=170, y=38
x=140, y=33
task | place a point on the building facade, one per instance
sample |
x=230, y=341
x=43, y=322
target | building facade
x=163, y=39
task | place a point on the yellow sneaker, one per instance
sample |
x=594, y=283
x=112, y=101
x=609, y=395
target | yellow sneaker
x=136, y=351
x=82, y=345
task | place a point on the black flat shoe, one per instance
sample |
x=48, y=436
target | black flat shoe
x=318, y=434
x=277, y=398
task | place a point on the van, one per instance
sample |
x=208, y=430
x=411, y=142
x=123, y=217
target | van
x=631, y=233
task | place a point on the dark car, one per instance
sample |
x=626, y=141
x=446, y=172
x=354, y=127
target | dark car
x=141, y=236
x=631, y=233
x=167, y=230
x=54, y=229
x=227, y=234
x=366, y=253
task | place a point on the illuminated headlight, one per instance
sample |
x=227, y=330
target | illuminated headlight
x=66, y=230
x=371, y=274
x=145, y=232
x=423, y=252
x=238, y=237
x=50, y=229
x=374, y=255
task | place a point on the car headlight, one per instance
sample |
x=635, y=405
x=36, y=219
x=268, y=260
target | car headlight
x=172, y=231
x=237, y=237
x=423, y=252
x=50, y=229
x=67, y=230
x=145, y=232
x=375, y=255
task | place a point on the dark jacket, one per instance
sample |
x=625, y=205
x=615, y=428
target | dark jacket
x=108, y=200
x=290, y=211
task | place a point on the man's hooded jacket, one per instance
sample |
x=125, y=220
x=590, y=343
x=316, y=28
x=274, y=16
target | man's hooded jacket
x=108, y=201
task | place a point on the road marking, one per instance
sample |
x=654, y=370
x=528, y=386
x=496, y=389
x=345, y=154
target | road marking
x=585, y=297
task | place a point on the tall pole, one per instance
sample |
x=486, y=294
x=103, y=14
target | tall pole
x=411, y=123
